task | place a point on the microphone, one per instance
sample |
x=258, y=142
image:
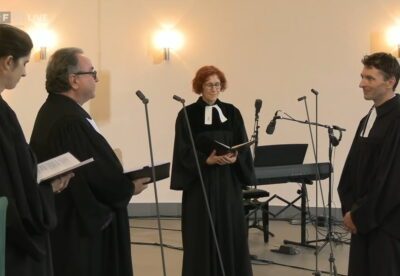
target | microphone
x=315, y=92
x=179, y=99
x=338, y=128
x=142, y=97
x=257, y=105
x=301, y=98
x=271, y=126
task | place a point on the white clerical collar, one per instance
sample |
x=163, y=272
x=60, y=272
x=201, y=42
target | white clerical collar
x=93, y=123
x=208, y=114
x=370, y=122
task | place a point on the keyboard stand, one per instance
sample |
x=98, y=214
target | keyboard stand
x=303, y=242
x=288, y=204
x=302, y=173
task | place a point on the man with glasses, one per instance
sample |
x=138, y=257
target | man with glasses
x=92, y=236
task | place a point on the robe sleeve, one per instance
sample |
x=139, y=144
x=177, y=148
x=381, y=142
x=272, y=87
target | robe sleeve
x=104, y=176
x=184, y=169
x=345, y=187
x=244, y=165
x=98, y=186
x=383, y=198
x=30, y=211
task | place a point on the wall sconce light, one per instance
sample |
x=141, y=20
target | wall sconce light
x=43, y=39
x=167, y=40
x=43, y=53
x=393, y=38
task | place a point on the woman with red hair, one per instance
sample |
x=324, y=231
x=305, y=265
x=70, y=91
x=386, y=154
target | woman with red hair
x=224, y=177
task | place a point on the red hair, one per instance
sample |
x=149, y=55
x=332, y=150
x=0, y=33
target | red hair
x=203, y=74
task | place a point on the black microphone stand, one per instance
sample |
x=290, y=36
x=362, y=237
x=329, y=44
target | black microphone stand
x=255, y=137
x=329, y=238
x=332, y=265
x=182, y=101
x=153, y=175
x=333, y=142
x=255, y=132
x=318, y=176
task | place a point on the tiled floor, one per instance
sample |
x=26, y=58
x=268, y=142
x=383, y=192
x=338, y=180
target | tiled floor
x=147, y=258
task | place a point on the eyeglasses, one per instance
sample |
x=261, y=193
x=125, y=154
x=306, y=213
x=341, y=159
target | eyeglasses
x=93, y=73
x=210, y=85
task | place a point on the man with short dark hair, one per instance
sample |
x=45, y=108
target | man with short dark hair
x=369, y=187
x=92, y=237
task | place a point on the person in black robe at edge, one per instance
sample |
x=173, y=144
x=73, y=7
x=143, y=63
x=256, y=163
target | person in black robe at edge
x=30, y=212
x=224, y=177
x=92, y=237
x=369, y=188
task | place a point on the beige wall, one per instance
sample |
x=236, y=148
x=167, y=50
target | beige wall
x=273, y=50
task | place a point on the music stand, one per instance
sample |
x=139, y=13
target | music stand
x=279, y=155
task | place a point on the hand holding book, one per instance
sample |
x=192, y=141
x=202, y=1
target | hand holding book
x=226, y=159
x=222, y=149
x=140, y=184
x=61, y=182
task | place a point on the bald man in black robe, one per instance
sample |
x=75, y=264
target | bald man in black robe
x=369, y=187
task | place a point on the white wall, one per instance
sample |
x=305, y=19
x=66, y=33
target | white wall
x=273, y=50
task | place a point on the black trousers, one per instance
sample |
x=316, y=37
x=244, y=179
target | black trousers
x=376, y=253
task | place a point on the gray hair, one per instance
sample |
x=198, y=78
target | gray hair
x=62, y=63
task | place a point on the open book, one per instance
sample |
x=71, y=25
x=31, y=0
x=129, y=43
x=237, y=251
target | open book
x=59, y=165
x=161, y=172
x=222, y=149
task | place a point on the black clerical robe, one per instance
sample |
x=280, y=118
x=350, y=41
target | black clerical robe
x=92, y=237
x=30, y=213
x=370, y=188
x=224, y=190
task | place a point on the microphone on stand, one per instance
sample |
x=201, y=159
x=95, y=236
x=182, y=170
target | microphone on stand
x=338, y=128
x=315, y=92
x=271, y=126
x=142, y=97
x=153, y=175
x=179, y=99
x=301, y=98
x=257, y=105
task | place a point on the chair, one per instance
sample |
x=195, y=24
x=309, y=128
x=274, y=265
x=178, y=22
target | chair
x=252, y=205
x=3, y=212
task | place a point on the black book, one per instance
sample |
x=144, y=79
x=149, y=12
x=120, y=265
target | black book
x=161, y=172
x=222, y=149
